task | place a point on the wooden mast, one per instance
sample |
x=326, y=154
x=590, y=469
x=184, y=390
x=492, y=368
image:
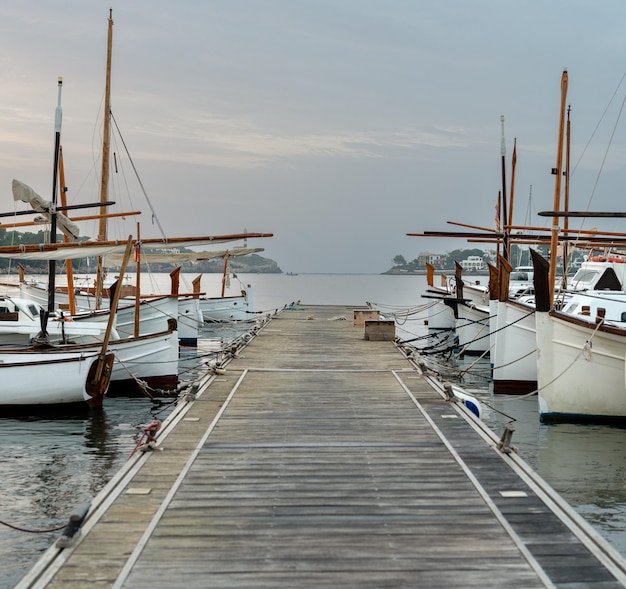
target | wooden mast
x=69, y=272
x=504, y=217
x=58, y=116
x=566, y=204
x=104, y=178
x=137, y=280
x=554, y=240
x=225, y=274
x=111, y=320
x=509, y=221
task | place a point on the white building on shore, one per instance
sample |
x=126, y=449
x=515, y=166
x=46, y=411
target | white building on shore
x=473, y=263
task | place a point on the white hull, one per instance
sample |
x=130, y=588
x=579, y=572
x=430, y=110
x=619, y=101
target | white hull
x=44, y=378
x=152, y=358
x=514, y=352
x=237, y=308
x=153, y=315
x=580, y=370
x=440, y=315
x=14, y=333
x=154, y=312
x=190, y=320
x=493, y=325
x=472, y=329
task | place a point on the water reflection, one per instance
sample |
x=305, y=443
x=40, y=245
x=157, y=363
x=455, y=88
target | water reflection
x=594, y=455
x=50, y=466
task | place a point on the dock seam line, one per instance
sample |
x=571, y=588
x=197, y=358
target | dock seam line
x=481, y=490
x=136, y=553
x=54, y=558
x=585, y=532
x=261, y=369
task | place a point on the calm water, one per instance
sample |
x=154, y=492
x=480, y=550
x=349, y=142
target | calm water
x=50, y=467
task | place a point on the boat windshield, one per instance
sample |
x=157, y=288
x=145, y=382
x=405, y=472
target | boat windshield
x=584, y=276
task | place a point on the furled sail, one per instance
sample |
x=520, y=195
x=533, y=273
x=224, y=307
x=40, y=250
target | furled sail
x=26, y=194
x=85, y=249
x=176, y=257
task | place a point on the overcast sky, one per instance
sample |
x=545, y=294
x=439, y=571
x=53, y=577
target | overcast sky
x=338, y=125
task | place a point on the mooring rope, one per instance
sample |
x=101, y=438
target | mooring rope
x=30, y=531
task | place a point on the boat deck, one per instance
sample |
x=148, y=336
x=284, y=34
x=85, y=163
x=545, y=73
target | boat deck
x=321, y=459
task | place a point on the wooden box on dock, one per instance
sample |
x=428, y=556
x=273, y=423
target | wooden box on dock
x=380, y=330
x=363, y=315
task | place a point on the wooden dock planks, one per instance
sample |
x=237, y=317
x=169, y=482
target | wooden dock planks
x=332, y=463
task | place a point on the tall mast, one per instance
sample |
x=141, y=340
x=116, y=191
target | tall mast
x=566, y=203
x=554, y=238
x=69, y=271
x=58, y=116
x=504, y=217
x=104, y=177
x=512, y=197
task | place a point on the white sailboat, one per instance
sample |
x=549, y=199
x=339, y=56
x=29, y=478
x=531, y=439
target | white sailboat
x=51, y=378
x=47, y=375
x=580, y=356
x=137, y=314
x=440, y=315
x=514, y=356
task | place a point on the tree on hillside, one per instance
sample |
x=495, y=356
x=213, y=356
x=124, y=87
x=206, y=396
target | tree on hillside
x=399, y=261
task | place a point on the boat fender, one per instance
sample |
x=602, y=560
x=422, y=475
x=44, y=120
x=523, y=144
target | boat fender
x=70, y=532
x=472, y=407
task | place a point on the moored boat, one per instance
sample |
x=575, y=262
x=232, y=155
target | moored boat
x=52, y=377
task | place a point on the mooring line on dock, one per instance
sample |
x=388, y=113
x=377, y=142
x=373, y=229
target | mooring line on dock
x=349, y=370
x=588, y=536
x=54, y=558
x=481, y=490
x=156, y=518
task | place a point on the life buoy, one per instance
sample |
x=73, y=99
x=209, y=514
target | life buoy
x=617, y=260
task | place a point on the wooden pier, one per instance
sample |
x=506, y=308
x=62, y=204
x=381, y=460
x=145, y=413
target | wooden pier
x=320, y=458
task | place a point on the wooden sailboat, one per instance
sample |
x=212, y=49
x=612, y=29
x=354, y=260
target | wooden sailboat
x=47, y=375
x=135, y=310
x=151, y=358
x=581, y=349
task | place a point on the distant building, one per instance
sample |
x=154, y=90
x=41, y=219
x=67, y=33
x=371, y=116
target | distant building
x=434, y=259
x=473, y=263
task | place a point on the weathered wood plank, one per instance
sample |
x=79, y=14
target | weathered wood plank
x=322, y=471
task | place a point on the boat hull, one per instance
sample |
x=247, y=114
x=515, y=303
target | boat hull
x=236, y=308
x=151, y=358
x=472, y=329
x=580, y=369
x=48, y=378
x=190, y=321
x=514, y=355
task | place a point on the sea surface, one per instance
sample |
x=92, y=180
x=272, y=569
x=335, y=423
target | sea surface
x=49, y=467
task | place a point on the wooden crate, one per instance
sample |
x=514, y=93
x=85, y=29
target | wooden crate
x=380, y=330
x=363, y=315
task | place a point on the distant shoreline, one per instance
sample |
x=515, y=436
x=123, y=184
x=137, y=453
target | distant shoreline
x=401, y=272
